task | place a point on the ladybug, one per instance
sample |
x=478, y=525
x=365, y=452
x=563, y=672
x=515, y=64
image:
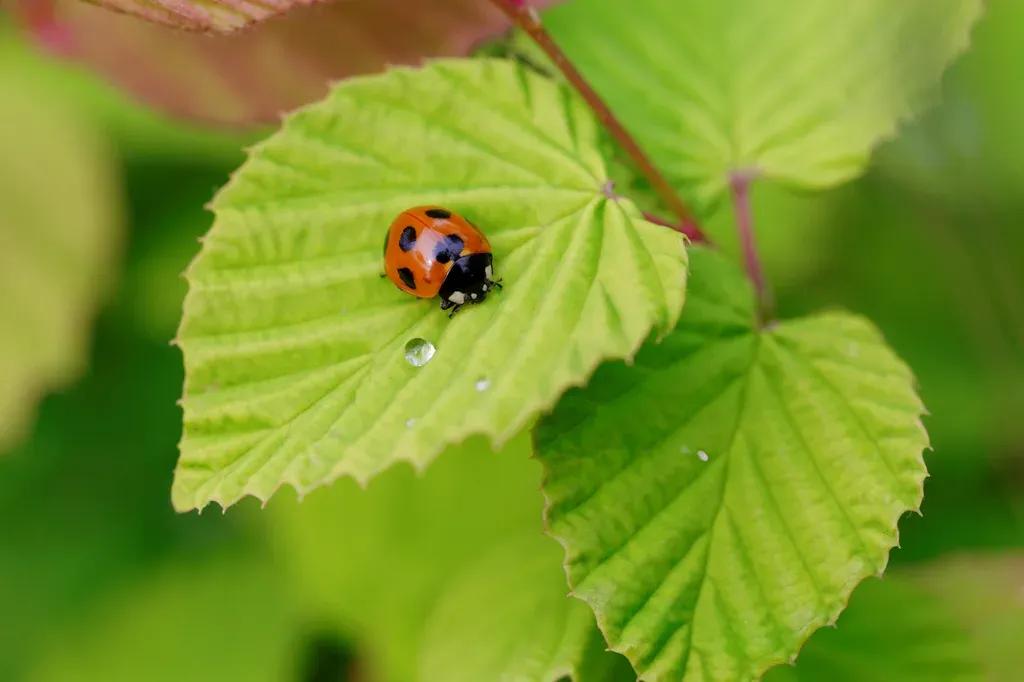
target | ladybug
x=430, y=251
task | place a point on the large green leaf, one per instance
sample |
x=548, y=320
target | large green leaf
x=59, y=219
x=719, y=500
x=892, y=631
x=508, y=618
x=295, y=369
x=798, y=91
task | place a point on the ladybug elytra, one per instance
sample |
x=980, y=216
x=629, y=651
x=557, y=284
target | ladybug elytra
x=430, y=251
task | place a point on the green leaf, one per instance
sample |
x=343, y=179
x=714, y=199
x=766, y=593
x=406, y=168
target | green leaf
x=293, y=344
x=719, y=500
x=508, y=618
x=892, y=630
x=790, y=91
x=59, y=223
x=967, y=153
x=214, y=619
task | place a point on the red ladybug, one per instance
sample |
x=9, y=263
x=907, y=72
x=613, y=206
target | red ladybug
x=430, y=251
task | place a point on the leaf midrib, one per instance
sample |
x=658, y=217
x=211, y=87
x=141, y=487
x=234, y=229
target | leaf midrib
x=740, y=412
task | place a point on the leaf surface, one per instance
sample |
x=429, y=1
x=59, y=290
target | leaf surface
x=719, y=500
x=295, y=346
x=798, y=92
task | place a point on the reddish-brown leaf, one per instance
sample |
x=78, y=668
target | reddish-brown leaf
x=253, y=75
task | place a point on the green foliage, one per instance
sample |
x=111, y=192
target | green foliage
x=73, y=537
x=719, y=500
x=220, y=619
x=986, y=593
x=892, y=630
x=798, y=92
x=967, y=152
x=719, y=496
x=508, y=618
x=293, y=345
x=59, y=225
x=372, y=563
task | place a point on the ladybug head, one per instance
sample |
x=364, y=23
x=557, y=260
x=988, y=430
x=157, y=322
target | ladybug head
x=469, y=280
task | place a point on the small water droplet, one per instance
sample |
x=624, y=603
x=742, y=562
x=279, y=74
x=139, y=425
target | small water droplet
x=703, y=456
x=410, y=422
x=482, y=384
x=685, y=449
x=419, y=351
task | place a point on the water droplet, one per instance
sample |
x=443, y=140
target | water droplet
x=410, y=422
x=685, y=449
x=703, y=456
x=419, y=351
x=482, y=384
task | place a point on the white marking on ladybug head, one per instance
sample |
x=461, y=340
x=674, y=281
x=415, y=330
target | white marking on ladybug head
x=488, y=272
x=484, y=287
x=473, y=295
x=457, y=297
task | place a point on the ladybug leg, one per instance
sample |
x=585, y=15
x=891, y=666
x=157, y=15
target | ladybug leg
x=446, y=304
x=495, y=283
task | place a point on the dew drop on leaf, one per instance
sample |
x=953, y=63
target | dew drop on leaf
x=703, y=456
x=410, y=422
x=482, y=384
x=418, y=352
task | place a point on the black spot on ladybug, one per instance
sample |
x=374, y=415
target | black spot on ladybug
x=408, y=238
x=438, y=213
x=407, y=277
x=448, y=249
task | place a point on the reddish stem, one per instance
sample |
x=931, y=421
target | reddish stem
x=687, y=227
x=40, y=20
x=739, y=184
x=526, y=17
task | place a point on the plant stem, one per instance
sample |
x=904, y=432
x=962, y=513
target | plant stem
x=526, y=17
x=739, y=185
x=687, y=227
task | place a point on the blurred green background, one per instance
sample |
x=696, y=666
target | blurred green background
x=100, y=580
